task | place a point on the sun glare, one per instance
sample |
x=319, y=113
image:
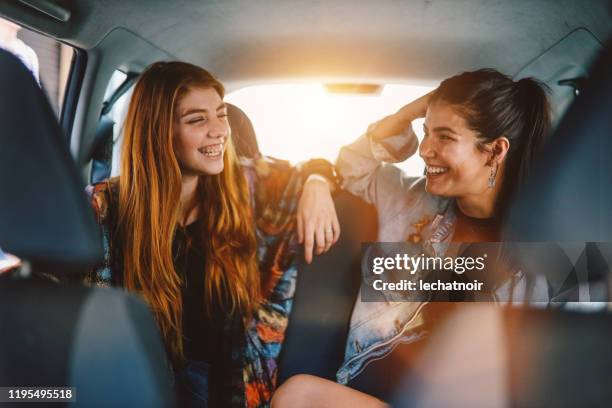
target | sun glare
x=300, y=122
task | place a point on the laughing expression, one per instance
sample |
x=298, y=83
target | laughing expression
x=201, y=132
x=455, y=165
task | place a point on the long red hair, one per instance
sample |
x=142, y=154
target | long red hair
x=149, y=208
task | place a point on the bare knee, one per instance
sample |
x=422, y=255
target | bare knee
x=294, y=391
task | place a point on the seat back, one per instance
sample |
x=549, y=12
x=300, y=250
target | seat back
x=43, y=214
x=243, y=133
x=325, y=295
x=100, y=341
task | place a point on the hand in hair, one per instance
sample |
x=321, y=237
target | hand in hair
x=394, y=124
x=415, y=109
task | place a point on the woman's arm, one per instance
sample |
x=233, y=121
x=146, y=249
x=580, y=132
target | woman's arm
x=396, y=123
x=99, y=196
x=317, y=221
x=361, y=165
x=295, y=198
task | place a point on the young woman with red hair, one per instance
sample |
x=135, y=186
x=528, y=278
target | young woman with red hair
x=207, y=239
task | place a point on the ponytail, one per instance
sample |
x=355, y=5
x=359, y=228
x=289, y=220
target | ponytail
x=534, y=118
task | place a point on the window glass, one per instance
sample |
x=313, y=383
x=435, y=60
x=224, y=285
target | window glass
x=117, y=114
x=303, y=121
x=47, y=59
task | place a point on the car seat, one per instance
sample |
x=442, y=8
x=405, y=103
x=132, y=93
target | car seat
x=102, y=342
x=325, y=295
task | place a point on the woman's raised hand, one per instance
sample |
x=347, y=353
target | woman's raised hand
x=395, y=123
x=317, y=222
x=415, y=109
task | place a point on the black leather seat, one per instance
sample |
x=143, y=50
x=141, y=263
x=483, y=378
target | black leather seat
x=100, y=341
x=325, y=295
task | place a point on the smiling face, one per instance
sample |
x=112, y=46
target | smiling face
x=201, y=132
x=455, y=165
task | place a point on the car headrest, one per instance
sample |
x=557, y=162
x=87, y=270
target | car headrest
x=569, y=196
x=44, y=214
x=243, y=133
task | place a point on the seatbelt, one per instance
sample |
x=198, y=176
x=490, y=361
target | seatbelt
x=102, y=150
x=123, y=88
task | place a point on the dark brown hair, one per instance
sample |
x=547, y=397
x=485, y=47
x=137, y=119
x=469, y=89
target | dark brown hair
x=494, y=105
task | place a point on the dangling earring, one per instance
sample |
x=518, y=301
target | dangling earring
x=493, y=175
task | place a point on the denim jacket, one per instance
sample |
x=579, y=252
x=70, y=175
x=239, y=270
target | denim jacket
x=405, y=208
x=401, y=201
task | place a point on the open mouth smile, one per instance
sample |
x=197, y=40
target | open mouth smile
x=433, y=171
x=212, y=151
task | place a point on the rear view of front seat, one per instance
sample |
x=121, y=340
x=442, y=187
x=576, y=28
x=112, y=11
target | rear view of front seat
x=100, y=341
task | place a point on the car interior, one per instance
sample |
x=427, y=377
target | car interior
x=510, y=356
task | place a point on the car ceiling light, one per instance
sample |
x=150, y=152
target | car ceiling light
x=362, y=89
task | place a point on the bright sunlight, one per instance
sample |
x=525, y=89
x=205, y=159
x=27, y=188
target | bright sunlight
x=300, y=122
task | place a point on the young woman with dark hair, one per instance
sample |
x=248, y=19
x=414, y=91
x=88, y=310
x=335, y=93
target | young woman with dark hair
x=207, y=239
x=482, y=132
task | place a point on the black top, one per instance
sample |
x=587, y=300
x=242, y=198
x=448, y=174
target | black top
x=470, y=229
x=206, y=338
x=202, y=333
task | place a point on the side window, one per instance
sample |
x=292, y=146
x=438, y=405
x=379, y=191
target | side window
x=343, y=112
x=47, y=59
x=117, y=112
x=108, y=138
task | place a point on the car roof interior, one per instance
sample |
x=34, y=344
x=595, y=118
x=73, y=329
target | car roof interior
x=246, y=43
x=383, y=41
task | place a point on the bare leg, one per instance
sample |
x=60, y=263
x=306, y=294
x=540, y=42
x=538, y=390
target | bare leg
x=302, y=391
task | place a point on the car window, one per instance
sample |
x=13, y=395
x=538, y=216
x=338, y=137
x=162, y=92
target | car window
x=297, y=122
x=117, y=113
x=47, y=59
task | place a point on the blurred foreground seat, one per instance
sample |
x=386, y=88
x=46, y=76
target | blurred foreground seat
x=100, y=341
